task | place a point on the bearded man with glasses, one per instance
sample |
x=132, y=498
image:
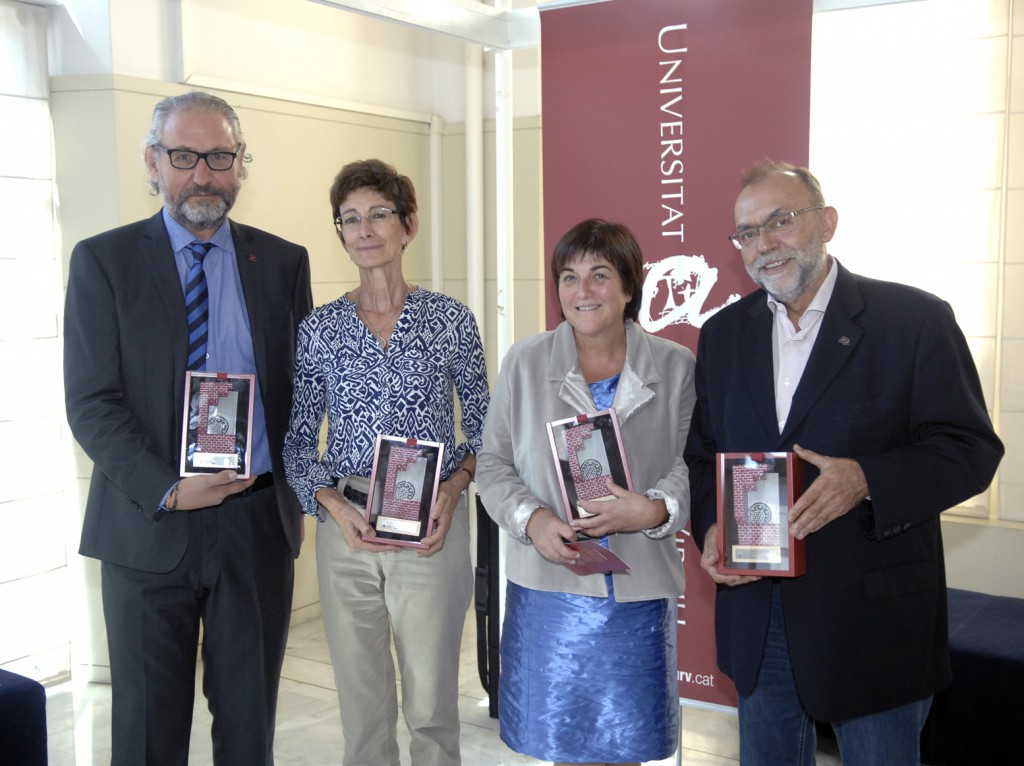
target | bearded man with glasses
x=873, y=386
x=187, y=290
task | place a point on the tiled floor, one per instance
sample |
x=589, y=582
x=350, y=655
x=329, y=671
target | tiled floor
x=308, y=729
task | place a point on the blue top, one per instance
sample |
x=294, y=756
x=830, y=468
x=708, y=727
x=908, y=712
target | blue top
x=229, y=348
x=365, y=389
x=603, y=391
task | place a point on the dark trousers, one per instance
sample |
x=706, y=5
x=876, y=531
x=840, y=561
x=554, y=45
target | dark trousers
x=236, y=579
x=776, y=729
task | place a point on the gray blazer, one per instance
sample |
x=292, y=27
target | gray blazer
x=540, y=381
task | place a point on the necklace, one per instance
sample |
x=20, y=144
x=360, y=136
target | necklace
x=379, y=331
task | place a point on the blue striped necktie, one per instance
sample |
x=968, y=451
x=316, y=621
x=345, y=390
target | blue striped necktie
x=197, y=306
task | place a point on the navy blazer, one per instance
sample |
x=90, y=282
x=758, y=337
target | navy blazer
x=891, y=383
x=125, y=353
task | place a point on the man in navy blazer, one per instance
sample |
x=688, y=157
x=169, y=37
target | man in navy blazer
x=210, y=550
x=872, y=384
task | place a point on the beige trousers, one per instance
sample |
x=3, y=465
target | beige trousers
x=367, y=598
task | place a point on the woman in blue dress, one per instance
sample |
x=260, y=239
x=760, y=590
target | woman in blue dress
x=588, y=661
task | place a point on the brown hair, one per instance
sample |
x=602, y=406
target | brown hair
x=612, y=241
x=382, y=178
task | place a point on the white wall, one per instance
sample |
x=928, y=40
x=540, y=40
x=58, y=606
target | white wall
x=32, y=503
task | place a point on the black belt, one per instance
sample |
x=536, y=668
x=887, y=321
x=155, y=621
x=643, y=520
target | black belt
x=350, y=493
x=263, y=481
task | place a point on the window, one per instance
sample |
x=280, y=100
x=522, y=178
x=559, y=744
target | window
x=917, y=138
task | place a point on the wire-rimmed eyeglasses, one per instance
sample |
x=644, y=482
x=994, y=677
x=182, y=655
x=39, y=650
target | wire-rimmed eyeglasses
x=775, y=225
x=186, y=159
x=377, y=217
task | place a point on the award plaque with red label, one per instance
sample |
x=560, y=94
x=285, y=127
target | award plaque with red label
x=587, y=450
x=216, y=431
x=755, y=492
x=403, y=487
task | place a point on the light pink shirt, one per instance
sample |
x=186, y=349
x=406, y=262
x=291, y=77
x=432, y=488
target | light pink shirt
x=792, y=347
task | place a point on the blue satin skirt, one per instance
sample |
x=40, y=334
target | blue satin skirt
x=588, y=679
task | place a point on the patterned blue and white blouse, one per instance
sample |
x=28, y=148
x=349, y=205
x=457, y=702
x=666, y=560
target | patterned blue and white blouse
x=366, y=390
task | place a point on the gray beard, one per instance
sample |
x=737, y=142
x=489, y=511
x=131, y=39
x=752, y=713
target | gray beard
x=803, y=283
x=198, y=217
x=806, y=278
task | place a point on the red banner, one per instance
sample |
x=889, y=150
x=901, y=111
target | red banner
x=652, y=110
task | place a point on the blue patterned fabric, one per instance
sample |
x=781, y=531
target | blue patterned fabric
x=588, y=679
x=366, y=390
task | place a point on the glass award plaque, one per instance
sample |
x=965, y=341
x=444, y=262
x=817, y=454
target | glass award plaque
x=755, y=492
x=587, y=449
x=217, y=423
x=403, y=488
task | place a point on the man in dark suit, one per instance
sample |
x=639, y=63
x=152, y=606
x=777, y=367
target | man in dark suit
x=209, y=549
x=872, y=384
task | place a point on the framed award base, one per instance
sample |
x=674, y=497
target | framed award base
x=216, y=431
x=587, y=449
x=755, y=492
x=403, y=489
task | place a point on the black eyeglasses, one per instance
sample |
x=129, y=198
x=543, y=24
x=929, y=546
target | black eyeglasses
x=186, y=159
x=776, y=225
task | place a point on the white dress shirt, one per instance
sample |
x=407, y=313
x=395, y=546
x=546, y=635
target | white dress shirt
x=792, y=346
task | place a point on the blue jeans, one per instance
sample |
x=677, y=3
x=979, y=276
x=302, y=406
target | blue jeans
x=775, y=730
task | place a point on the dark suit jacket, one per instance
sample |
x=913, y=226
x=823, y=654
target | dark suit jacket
x=891, y=383
x=124, y=375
